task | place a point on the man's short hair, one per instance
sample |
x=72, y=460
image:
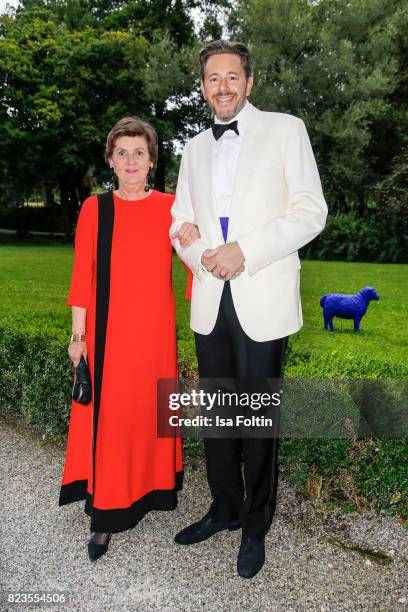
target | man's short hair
x=226, y=46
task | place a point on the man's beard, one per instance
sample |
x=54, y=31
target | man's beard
x=227, y=117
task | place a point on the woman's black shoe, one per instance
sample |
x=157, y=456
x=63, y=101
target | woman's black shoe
x=98, y=545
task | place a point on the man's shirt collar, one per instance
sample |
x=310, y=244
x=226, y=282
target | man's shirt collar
x=242, y=117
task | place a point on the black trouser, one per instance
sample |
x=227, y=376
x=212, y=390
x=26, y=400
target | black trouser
x=227, y=352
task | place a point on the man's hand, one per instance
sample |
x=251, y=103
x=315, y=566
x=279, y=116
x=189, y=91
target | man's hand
x=237, y=273
x=226, y=262
x=186, y=234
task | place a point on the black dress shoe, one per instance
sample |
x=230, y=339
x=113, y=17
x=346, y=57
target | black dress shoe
x=97, y=550
x=251, y=556
x=204, y=529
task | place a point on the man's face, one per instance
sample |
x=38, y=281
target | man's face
x=225, y=86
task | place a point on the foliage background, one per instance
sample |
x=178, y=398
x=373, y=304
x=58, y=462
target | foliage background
x=36, y=375
x=70, y=68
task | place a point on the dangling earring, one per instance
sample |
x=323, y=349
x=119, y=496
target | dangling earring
x=149, y=177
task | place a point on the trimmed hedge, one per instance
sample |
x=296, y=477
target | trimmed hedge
x=32, y=218
x=302, y=363
x=35, y=374
x=348, y=237
x=36, y=379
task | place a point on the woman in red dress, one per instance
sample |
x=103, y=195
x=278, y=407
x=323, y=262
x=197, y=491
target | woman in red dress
x=123, y=322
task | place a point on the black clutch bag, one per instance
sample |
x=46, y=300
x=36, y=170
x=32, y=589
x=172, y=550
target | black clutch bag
x=82, y=389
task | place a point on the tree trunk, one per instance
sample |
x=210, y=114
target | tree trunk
x=73, y=203
x=160, y=174
x=69, y=203
x=83, y=191
x=48, y=196
x=84, y=183
x=17, y=196
x=65, y=208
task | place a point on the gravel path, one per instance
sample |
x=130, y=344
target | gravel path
x=309, y=565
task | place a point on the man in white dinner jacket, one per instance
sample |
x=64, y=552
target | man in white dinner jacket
x=251, y=185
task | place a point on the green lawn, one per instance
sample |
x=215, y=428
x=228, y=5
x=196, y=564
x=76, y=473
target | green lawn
x=384, y=329
x=35, y=278
x=35, y=373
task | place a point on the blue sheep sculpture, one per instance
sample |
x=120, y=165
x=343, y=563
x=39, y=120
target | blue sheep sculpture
x=347, y=306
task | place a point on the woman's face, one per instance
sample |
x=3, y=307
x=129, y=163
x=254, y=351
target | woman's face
x=130, y=160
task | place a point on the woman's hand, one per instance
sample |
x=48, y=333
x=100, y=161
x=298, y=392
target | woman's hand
x=187, y=234
x=75, y=352
x=77, y=349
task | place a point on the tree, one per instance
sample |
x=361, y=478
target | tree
x=69, y=71
x=59, y=97
x=334, y=64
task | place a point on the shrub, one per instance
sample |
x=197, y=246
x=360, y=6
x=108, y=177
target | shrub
x=348, y=237
x=32, y=218
x=35, y=374
x=36, y=379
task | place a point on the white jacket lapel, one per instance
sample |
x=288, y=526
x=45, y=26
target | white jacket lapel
x=206, y=177
x=247, y=162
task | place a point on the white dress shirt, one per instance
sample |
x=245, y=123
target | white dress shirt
x=224, y=162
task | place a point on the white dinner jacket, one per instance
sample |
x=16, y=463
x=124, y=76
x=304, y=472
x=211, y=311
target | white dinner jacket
x=277, y=207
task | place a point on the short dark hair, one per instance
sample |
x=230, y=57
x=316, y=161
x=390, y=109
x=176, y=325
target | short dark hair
x=133, y=126
x=226, y=46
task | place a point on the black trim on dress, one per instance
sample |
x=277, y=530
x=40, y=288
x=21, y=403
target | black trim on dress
x=116, y=519
x=106, y=216
x=120, y=519
x=72, y=492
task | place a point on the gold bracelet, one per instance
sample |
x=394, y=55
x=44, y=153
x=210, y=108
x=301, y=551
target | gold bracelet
x=78, y=338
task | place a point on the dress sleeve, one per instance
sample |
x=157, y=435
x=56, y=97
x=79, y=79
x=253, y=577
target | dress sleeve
x=84, y=259
x=189, y=282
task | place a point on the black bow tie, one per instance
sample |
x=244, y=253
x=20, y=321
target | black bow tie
x=219, y=128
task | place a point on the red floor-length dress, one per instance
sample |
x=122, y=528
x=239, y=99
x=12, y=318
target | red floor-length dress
x=133, y=470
